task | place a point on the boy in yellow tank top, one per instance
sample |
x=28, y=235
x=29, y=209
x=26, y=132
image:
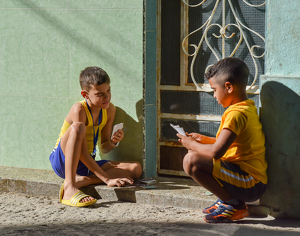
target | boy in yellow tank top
x=88, y=121
x=232, y=165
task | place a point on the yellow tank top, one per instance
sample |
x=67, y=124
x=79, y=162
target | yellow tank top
x=89, y=127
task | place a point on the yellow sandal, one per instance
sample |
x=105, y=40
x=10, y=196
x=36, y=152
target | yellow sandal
x=75, y=199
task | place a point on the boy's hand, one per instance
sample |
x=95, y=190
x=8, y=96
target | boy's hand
x=202, y=138
x=117, y=136
x=198, y=137
x=186, y=140
x=119, y=182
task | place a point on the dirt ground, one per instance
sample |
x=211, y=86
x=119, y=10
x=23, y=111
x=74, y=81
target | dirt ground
x=27, y=215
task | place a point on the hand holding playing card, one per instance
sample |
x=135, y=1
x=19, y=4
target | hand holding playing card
x=117, y=134
x=186, y=140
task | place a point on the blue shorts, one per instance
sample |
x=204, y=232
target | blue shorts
x=237, y=182
x=57, y=159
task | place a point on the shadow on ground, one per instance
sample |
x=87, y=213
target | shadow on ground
x=149, y=228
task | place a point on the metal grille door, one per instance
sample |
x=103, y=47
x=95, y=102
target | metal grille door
x=193, y=35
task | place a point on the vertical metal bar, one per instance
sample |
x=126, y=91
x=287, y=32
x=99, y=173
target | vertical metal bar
x=158, y=78
x=223, y=29
x=184, y=62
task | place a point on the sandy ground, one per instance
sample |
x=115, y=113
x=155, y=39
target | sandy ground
x=27, y=215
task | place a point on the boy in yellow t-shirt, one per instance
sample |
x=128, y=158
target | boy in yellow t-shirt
x=232, y=165
x=88, y=122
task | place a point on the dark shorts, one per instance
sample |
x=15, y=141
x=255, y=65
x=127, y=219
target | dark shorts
x=57, y=159
x=238, y=183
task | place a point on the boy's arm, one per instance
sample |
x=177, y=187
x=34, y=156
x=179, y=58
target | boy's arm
x=215, y=150
x=202, y=138
x=78, y=114
x=107, y=143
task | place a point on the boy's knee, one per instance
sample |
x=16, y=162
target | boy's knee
x=189, y=163
x=137, y=170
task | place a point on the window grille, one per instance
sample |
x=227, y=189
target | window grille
x=192, y=36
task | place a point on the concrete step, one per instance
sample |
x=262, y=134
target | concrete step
x=167, y=191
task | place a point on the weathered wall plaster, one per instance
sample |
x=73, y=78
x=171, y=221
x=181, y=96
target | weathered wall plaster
x=280, y=107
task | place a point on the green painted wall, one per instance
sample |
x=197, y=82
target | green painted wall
x=283, y=38
x=280, y=108
x=44, y=46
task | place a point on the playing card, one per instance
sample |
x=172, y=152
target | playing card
x=116, y=128
x=179, y=129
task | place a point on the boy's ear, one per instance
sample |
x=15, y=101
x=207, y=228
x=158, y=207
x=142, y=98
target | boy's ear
x=229, y=87
x=84, y=94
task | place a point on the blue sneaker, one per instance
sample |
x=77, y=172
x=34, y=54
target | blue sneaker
x=227, y=213
x=213, y=207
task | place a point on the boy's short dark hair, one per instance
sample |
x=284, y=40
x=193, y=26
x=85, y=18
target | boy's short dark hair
x=93, y=76
x=236, y=70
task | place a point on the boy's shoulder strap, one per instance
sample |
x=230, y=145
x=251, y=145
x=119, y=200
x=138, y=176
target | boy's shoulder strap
x=104, y=117
x=88, y=114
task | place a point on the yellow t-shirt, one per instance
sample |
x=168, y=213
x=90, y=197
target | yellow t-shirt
x=248, y=149
x=89, y=127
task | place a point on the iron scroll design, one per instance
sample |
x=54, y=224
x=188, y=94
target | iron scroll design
x=208, y=24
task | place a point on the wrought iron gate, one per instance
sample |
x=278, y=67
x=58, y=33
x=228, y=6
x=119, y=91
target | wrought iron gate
x=192, y=36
